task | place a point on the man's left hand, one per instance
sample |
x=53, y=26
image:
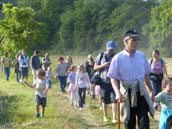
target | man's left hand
x=152, y=96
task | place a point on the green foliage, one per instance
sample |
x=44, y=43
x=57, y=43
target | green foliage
x=159, y=28
x=130, y=14
x=19, y=29
x=48, y=12
x=86, y=25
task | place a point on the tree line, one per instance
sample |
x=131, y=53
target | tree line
x=74, y=26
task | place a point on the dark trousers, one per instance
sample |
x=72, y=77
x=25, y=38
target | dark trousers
x=81, y=95
x=62, y=80
x=141, y=111
x=18, y=76
x=169, y=122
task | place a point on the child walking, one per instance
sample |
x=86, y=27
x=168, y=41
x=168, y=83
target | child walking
x=42, y=86
x=82, y=82
x=72, y=88
x=165, y=97
x=49, y=75
x=97, y=92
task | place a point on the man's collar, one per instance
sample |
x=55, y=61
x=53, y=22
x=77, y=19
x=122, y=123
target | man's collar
x=129, y=54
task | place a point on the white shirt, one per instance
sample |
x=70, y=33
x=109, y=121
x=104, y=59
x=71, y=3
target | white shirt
x=128, y=67
x=41, y=85
x=82, y=80
x=23, y=61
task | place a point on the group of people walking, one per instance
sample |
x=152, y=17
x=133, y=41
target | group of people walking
x=124, y=77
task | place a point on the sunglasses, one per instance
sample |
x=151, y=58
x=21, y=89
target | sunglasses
x=135, y=39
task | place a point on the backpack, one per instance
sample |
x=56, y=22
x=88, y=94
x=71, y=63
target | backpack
x=96, y=80
x=152, y=61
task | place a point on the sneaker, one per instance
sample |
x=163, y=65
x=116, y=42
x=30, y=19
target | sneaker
x=42, y=116
x=115, y=121
x=84, y=105
x=159, y=107
x=37, y=115
x=80, y=109
x=106, y=119
x=101, y=108
x=76, y=106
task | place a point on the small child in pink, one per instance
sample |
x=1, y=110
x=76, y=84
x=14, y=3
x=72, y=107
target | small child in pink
x=72, y=88
x=97, y=92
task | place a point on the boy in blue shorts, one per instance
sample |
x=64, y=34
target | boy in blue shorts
x=42, y=85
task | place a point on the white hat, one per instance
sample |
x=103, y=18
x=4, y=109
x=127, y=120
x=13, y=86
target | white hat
x=90, y=56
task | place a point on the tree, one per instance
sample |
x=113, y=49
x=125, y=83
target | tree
x=19, y=30
x=130, y=14
x=159, y=29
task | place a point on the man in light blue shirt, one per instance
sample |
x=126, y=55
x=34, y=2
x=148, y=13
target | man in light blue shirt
x=128, y=66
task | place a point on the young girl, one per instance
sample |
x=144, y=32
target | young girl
x=82, y=82
x=42, y=86
x=49, y=75
x=72, y=88
x=165, y=97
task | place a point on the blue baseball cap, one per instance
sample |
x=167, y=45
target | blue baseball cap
x=110, y=45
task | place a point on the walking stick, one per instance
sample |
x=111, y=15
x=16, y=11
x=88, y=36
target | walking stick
x=118, y=113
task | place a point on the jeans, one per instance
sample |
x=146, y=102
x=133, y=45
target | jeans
x=7, y=73
x=62, y=80
x=49, y=84
x=141, y=111
x=156, y=87
x=81, y=95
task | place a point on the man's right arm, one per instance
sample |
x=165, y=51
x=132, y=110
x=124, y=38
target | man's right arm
x=98, y=66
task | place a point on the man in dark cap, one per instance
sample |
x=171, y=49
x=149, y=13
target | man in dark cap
x=132, y=69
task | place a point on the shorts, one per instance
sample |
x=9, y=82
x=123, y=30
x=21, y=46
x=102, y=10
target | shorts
x=107, y=93
x=41, y=101
x=24, y=72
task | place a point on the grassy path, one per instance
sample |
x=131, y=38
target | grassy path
x=17, y=108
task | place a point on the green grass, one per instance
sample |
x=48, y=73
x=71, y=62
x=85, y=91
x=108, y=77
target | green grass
x=17, y=107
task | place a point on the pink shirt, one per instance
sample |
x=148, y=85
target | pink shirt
x=157, y=67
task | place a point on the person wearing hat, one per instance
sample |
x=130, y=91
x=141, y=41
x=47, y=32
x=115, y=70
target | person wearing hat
x=35, y=63
x=89, y=66
x=102, y=65
x=131, y=67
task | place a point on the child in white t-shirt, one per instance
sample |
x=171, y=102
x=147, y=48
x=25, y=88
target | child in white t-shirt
x=42, y=86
